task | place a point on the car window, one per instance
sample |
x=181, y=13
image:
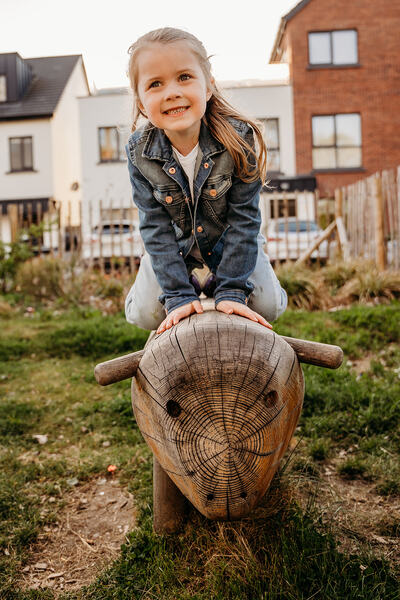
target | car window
x=109, y=228
x=300, y=226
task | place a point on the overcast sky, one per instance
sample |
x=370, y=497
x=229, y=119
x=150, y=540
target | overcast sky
x=239, y=34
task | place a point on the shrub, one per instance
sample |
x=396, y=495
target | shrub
x=41, y=278
x=336, y=274
x=319, y=449
x=371, y=284
x=351, y=468
x=303, y=287
x=11, y=257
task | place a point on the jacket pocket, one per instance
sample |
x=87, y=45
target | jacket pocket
x=169, y=196
x=213, y=197
x=216, y=187
x=173, y=199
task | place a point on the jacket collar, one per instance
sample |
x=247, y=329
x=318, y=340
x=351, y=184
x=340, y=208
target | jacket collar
x=159, y=147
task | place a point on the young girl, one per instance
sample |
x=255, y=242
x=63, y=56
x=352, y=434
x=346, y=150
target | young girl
x=196, y=173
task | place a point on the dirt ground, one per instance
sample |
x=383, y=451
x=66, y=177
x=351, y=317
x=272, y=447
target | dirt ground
x=87, y=536
x=360, y=518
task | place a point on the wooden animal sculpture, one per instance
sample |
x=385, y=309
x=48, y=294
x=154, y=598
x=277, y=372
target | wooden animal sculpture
x=217, y=398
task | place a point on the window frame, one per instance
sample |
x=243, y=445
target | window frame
x=4, y=76
x=331, y=64
x=103, y=161
x=24, y=168
x=335, y=146
x=274, y=148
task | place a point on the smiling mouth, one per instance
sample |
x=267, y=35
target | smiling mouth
x=176, y=111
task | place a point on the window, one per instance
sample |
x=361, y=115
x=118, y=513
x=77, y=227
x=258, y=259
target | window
x=336, y=141
x=271, y=136
x=296, y=226
x=280, y=207
x=21, y=154
x=110, y=143
x=333, y=47
x=3, y=88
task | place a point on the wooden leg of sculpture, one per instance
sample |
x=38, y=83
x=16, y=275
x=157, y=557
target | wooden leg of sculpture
x=168, y=502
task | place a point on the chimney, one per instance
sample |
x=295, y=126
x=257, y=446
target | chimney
x=17, y=75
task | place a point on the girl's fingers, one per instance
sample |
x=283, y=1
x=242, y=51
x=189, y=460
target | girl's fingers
x=161, y=327
x=197, y=306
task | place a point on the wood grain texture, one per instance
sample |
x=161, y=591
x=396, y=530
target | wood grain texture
x=117, y=369
x=169, y=504
x=316, y=353
x=217, y=399
x=313, y=353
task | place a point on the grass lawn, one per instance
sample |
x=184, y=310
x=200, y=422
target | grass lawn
x=328, y=528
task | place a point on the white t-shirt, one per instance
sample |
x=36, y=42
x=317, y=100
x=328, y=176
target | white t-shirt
x=188, y=164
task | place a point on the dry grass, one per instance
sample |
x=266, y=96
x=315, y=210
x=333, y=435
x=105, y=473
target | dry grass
x=338, y=284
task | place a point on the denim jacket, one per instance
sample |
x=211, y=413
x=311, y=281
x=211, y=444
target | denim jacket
x=223, y=219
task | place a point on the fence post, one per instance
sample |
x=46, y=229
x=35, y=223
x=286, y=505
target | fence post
x=379, y=233
x=12, y=213
x=338, y=203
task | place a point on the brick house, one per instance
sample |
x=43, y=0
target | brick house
x=344, y=62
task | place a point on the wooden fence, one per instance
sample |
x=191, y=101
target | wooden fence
x=370, y=211
x=106, y=233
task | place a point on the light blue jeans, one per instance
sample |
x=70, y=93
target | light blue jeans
x=142, y=307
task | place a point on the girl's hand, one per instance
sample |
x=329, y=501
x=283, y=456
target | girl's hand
x=229, y=307
x=180, y=313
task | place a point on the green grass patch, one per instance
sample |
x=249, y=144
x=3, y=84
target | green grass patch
x=281, y=551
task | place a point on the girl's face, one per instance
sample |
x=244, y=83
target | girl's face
x=172, y=90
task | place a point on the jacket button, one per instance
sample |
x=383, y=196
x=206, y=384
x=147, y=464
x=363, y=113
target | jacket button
x=192, y=231
x=172, y=170
x=213, y=193
x=206, y=165
x=199, y=229
x=168, y=199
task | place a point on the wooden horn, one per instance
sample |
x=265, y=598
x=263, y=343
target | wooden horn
x=312, y=353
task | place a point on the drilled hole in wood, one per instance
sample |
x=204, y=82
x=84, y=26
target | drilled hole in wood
x=210, y=496
x=173, y=409
x=271, y=399
x=243, y=495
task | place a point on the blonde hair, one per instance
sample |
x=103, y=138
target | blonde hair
x=250, y=163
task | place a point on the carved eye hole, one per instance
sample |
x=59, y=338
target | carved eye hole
x=173, y=409
x=271, y=399
x=210, y=496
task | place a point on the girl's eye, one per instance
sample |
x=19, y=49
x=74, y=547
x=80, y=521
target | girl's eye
x=184, y=76
x=155, y=84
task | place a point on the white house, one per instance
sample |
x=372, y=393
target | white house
x=271, y=102
x=105, y=119
x=40, y=159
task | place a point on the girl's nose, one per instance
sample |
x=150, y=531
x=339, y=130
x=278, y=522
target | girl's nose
x=172, y=92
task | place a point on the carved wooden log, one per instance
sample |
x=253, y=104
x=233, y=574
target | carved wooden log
x=217, y=399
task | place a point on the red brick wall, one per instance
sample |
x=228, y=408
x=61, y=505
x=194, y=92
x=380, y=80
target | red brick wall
x=373, y=89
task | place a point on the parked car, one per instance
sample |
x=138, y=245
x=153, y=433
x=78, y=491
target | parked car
x=288, y=238
x=114, y=239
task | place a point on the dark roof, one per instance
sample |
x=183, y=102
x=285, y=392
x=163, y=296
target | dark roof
x=50, y=76
x=292, y=13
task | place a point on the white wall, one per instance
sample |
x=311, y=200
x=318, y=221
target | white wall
x=269, y=101
x=108, y=182
x=65, y=129
x=30, y=184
